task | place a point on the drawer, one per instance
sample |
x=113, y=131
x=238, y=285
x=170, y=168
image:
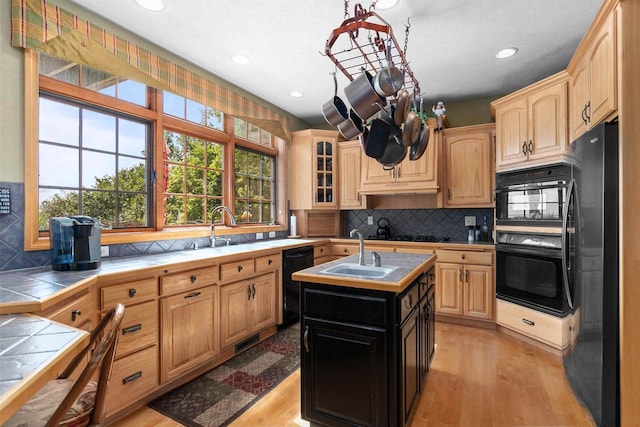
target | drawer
x=321, y=251
x=465, y=257
x=132, y=378
x=181, y=282
x=412, y=250
x=236, y=270
x=76, y=313
x=139, y=328
x=268, y=262
x=338, y=250
x=128, y=293
x=534, y=324
x=321, y=260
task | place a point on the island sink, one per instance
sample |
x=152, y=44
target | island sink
x=357, y=270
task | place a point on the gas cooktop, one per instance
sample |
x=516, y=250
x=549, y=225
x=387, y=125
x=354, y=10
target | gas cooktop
x=407, y=238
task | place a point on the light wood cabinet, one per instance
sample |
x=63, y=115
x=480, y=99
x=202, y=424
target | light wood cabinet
x=77, y=311
x=132, y=378
x=321, y=253
x=531, y=124
x=409, y=176
x=593, y=79
x=189, y=330
x=469, y=173
x=312, y=169
x=465, y=285
x=350, y=164
x=247, y=306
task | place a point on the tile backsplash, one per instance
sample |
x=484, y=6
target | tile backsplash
x=439, y=223
x=13, y=256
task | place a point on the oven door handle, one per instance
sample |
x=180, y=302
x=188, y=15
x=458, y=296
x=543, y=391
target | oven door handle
x=527, y=187
x=566, y=268
x=529, y=250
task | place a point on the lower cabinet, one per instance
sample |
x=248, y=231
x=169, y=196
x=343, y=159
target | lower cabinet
x=132, y=378
x=189, y=330
x=247, y=306
x=363, y=354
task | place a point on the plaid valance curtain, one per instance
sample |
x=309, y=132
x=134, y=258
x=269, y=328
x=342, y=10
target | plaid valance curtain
x=39, y=25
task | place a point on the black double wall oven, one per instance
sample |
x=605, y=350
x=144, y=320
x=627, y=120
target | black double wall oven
x=534, y=223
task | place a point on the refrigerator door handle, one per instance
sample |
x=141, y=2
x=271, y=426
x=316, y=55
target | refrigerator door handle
x=565, y=243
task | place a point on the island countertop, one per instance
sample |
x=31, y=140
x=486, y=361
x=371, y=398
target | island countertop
x=407, y=268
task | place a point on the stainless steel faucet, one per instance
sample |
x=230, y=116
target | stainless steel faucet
x=213, y=224
x=361, y=257
x=376, y=258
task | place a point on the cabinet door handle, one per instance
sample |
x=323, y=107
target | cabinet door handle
x=466, y=276
x=130, y=329
x=460, y=275
x=253, y=290
x=248, y=292
x=133, y=377
x=132, y=293
x=306, y=338
x=524, y=148
x=528, y=322
x=531, y=146
x=584, y=114
x=588, y=110
x=239, y=268
x=74, y=314
x=193, y=295
x=448, y=194
x=193, y=279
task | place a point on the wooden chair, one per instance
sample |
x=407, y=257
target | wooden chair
x=77, y=402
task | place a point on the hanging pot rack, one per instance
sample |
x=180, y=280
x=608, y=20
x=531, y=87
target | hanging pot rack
x=371, y=46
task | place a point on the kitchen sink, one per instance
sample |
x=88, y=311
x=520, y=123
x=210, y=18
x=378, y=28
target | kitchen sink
x=361, y=271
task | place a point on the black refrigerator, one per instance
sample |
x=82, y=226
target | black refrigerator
x=590, y=233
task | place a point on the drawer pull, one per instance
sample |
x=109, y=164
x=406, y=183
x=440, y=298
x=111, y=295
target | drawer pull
x=528, y=322
x=193, y=279
x=306, y=338
x=239, y=268
x=133, y=377
x=75, y=314
x=270, y=261
x=321, y=250
x=346, y=250
x=130, y=329
x=193, y=295
x=132, y=292
x=462, y=256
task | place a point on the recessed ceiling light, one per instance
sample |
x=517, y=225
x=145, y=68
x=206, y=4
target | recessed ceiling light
x=506, y=53
x=240, y=59
x=296, y=94
x=386, y=4
x=152, y=5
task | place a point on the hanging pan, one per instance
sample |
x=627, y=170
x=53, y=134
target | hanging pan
x=418, y=148
x=335, y=110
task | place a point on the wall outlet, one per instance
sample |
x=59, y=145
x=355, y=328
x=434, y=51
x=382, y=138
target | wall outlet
x=104, y=251
x=370, y=220
x=469, y=221
x=259, y=236
x=272, y=234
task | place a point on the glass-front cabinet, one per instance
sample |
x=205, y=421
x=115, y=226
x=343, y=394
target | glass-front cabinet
x=313, y=176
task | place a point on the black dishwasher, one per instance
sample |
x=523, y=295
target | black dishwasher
x=293, y=260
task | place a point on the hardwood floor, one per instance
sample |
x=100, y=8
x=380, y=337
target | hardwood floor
x=478, y=377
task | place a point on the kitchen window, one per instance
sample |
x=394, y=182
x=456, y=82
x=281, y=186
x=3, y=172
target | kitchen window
x=101, y=145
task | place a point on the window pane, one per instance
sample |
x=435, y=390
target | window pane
x=132, y=138
x=240, y=161
x=254, y=212
x=98, y=81
x=98, y=131
x=241, y=187
x=253, y=164
x=195, y=210
x=176, y=179
x=54, y=203
x=131, y=91
x=173, y=210
x=195, y=112
x=59, y=69
x=266, y=189
x=59, y=122
x=195, y=181
x=98, y=170
x=173, y=104
x=267, y=163
x=254, y=133
x=195, y=151
x=265, y=138
x=215, y=156
x=175, y=148
x=58, y=166
x=132, y=210
x=214, y=183
x=211, y=205
x=240, y=128
x=254, y=188
x=100, y=205
x=215, y=119
x=132, y=174
x=267, y=212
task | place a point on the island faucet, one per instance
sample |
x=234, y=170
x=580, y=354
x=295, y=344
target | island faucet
x=361, y=257
x=213, y=224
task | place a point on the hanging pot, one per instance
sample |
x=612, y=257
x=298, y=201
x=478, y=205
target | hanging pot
x=351, y=127
x=389, y=80
x=419, y=147
x=334, y=110
x=377, y=140
x=394, y=151
x=411, y=129
x=363, y=98
x=402, y=108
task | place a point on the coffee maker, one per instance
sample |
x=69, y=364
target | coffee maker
x=75, y=243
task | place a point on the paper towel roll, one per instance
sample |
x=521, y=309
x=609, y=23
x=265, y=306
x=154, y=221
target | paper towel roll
x=292, y=227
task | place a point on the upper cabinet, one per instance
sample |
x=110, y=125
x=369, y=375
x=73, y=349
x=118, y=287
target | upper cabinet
x=409, y=176
x=593, y=78
x=313, y=178
x=350, y=163
x=468, y=166
x=531, y=124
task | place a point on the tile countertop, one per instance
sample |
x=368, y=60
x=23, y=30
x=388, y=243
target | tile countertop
x=407, y=268
x=30, y=288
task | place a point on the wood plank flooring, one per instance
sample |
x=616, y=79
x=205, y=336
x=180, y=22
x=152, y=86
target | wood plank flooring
x=478, y=377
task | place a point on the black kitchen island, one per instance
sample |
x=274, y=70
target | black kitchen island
x=366, y=342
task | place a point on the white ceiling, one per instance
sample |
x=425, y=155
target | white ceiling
x=451, y=44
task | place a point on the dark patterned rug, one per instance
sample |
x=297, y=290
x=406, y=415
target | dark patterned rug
x=221, y=395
